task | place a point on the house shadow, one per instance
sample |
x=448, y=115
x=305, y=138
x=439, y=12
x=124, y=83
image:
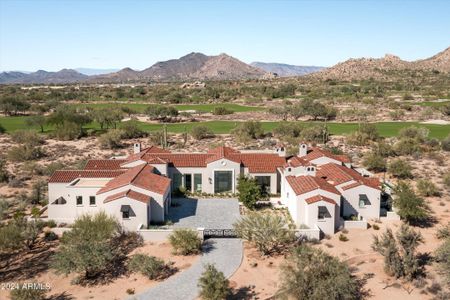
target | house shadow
x=182, y=208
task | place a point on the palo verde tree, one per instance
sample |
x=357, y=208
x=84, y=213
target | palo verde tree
x=249, y=191
x=410, y=207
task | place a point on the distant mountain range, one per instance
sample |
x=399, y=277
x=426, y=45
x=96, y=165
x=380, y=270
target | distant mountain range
x=379, y=68
x=285, y=70
x=90, y=71
x=198, y=66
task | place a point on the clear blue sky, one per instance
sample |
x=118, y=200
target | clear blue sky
x=52, y=35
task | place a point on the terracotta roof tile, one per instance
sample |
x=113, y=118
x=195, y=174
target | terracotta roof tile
x=318, y=198
x=296, y=161
x=66, y=176
x=305, y=184
x=180, y=159
x=340, y=174
x=148, y=150
x=316, y=152
x=104, y=164
x=129, y=194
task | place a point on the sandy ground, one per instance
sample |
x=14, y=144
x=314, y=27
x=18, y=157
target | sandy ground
x=117, y=289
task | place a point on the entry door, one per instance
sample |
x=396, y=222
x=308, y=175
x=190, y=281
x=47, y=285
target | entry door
x=223, y=181
x=188, y=182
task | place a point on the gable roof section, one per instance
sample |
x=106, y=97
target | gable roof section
x=317, y=152
x=141, y=176
x=340, y=174
x=179, y=159
x=66, y=176
x=296, y=161
x=223, y=152
x=151, y=149
x=129, y=194
x=318, y=198
x=261, y=162
x=104, y=164
x=305, y=184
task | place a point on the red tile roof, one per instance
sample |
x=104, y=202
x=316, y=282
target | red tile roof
x=129, y=194
x=296, y=161
x=66, y=176
x=305, y=184
x=104, y=164
x=140, y=176
x=261, y=162
x=180, y=159
x=337, y=175
x=148, y=150
x=316, y=152
x=318, y=198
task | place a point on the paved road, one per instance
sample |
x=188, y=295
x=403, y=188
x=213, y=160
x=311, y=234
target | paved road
x=206, y=213
x=225, y=254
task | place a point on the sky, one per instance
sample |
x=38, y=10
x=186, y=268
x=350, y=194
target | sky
x=51, y=35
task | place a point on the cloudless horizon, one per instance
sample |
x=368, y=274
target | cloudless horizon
x=100, y=34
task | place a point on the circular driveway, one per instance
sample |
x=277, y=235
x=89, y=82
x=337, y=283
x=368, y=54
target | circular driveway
x=206, y=213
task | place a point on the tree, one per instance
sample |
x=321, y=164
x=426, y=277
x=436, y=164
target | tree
x=150, y=266
x=409, y=206
x=267, y=232
x=249, y=191
x=445, y=143
x=36, y=120
x=131, y=130
x=4, y=173
x=280, y=111
x=111, y=139
x=310, y=273
x=374, y=162
x=213, y=284
x=88, y=248
x=427, y=188
x=200, y=132
x=400, y=169
x=19, y=233
x=38, y=191
x=2, y=129
x=366, y=133
x=158, y=112
x=221, y=110
x=69, y=121
x=29, y=291
x=185, y=241
x=442, y=255
x=399, y=253
x=248, y=130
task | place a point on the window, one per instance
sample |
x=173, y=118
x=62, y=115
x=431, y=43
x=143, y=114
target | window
x=322, y=213
x=91, y=200
x=176, y=181
x=126, y=212
x=363, y=200
x=79, y=200
x=263, y=182
x=223, y=181
x=125, y=215
x=198, y=182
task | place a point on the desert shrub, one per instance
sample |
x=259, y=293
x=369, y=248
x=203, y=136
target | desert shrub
x=50, y=236
x=287, y=130
x=38, y=190
x=185, y=241
x=399, y=251
x=89, y=247
x=445, y=144
x=315, y=133
x=160, y=112
x=150, y=266
x=383, y=149
x=410, y=206
x=443, y=232
x=19, y=233
x=213, y=284
x=343, y=238
x=267, y=232
x=4, y=173
x=427, y=188
x=446, y=180
x=221, y=110
x=130, y=130
x=27, y=137
x=25, y=152
x=29, y=291
x=67, y=131
x=310, y=273
x=374, y=162
x=248, y=130
x=442, y=255
x=375, y=227
x=200, y=132
x=4, y=206
x=2, y=129
x=111, y=139
x=249, y=191
x=412, y=132
x=366, y=133
x=400, y=169
x=407, y=146
x=52, y=167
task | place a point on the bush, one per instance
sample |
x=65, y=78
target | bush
x=50, y=236
x=4, y=206
x=374, y=162
x=366, y=133
x=150, y=266
x=443, y=258
x=19, y=233
x=221, y=110
x=343, y=238
x=398, y=263
x=445, y=144
x=310, y=273
x=213, y=284
x=410, y=207
x=446, y=180
x=111, y=139
x=249, y=191
x=25, y=152
x=4, y=174
x=443, y=232
x=267, y=232
x=67, y=132
x=400, y=169
x=2, y=129
x=407, y=146
x=427, y=188
x=29, y=291
x=185, y=241
x=200, y=132
x=315, y=133
x=29, y=137
x=248, y=130
x=89, y=248
x=130, y=130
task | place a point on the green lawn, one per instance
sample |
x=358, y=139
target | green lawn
x=386, y=129
x=140, y=107
x=430, y=103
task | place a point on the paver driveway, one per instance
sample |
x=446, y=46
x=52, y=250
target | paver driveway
x=206, y=213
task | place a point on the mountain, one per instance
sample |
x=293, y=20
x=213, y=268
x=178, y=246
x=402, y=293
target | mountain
x=285, y=70
x=44, y=77
x=90, y=71
x=382, y=68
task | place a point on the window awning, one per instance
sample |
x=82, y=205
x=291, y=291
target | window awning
x=125, y=208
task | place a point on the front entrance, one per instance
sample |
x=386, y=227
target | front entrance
x=188, y=182
x=223, y=182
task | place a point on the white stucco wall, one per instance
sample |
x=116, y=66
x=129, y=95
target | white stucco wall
x=351, y=202
x=139, y=209
x=325, y=160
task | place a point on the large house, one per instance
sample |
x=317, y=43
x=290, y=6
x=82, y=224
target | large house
x=318, y=187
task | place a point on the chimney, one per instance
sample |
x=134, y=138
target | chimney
x=302, y=150
x=281, y=151
x=137, y=148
